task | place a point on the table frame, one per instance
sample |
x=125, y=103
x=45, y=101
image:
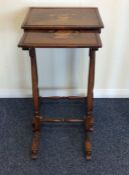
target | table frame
x=40, y=20
x=38, y=119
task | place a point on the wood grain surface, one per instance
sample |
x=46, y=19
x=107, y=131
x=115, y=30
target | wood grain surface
x=60, y=39
x=63, y=18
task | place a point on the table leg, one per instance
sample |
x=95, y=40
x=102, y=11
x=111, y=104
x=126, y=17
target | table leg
x=36, y=123
x=89, y=113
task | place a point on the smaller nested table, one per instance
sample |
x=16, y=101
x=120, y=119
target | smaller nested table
x=74, y=28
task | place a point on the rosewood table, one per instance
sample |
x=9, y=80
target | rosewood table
x=62, y=28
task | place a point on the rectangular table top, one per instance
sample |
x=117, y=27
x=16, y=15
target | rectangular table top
x=60, y=39
x=63, y=18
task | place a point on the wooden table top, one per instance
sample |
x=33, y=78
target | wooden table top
x=60, y=39
x=63, y=18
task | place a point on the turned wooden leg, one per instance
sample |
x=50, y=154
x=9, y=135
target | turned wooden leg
x=36, y=123
x=89, y=114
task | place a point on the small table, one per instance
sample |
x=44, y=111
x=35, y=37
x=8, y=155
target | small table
x=62, y=28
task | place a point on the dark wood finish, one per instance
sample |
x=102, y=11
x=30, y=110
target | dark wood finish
x=61, y=120
x=62, y=28
x=60, y=39
x=37, y=119
x=88, y=146
x=89, y=112
x=36, y=124
x=90, y=89
x=63, y=18
x=68, y=97
x=34, y=80
x=35, y=145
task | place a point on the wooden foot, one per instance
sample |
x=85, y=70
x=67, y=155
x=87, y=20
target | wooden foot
x=35, y=145
x=36, y=123
x=88, y=147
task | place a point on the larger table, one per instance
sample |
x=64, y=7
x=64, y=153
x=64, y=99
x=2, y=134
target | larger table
x=62, y=28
